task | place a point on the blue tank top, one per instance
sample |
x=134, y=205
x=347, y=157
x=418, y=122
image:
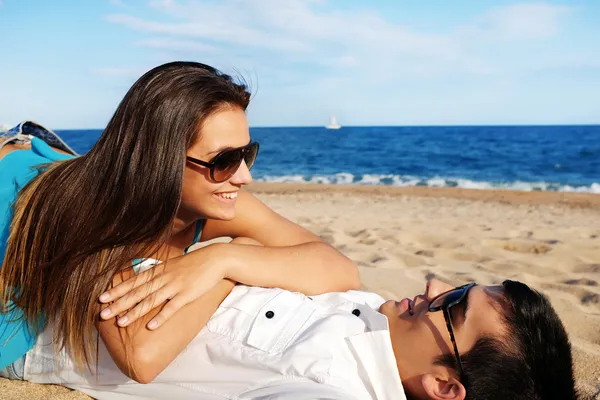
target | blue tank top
x=197, y=233
x=16, y=170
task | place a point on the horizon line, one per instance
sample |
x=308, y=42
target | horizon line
x=386, y=126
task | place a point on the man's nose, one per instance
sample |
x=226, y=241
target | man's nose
x=435, y=287
x=242, y=176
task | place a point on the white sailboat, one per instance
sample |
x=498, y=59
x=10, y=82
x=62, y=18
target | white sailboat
x=333, y=124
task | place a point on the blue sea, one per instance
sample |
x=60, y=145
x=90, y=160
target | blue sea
x=556, y=158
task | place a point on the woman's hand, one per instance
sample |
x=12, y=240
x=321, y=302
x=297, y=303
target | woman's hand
x=176, y=281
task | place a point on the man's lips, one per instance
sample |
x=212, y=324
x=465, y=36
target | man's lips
x=405, y=305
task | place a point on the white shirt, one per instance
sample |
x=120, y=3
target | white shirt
x=260, y=344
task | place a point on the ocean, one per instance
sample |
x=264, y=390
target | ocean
x=555, y=158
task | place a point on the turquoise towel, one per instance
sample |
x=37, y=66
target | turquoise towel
x=16, y=170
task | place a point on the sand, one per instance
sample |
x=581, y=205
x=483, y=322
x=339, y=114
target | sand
x=399, y=237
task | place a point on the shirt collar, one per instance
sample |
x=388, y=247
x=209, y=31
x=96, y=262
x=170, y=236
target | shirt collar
x=375, y=355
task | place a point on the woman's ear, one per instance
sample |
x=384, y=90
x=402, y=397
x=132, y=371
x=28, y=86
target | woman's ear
x=440, y=387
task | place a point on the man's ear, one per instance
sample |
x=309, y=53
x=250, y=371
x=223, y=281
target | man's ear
x=439, y=387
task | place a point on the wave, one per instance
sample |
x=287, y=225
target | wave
x=345, y=178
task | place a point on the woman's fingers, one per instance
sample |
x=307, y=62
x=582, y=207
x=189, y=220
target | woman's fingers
x=174, y=305
x=132, y=298
x=178, y=301
x=132, y=283
x=144, y=307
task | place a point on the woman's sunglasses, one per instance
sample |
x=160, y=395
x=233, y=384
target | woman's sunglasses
x=444, y=302
x=226, y=163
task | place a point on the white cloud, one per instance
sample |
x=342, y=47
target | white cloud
x=301, y=31
x=211, y=28
x=360, y=43
x=519, y=22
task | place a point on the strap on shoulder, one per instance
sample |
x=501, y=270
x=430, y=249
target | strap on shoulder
x=197, y=233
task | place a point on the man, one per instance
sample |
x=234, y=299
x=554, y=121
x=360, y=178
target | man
x=473, y=342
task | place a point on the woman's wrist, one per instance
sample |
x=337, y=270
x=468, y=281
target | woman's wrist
x=230, y=259
x=222, y=256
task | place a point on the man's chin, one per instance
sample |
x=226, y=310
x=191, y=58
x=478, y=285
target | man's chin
x=387, y=308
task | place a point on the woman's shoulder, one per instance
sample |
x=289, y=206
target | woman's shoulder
x=10, y=147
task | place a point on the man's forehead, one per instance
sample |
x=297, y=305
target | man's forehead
x=486, y=312
x=484, y=297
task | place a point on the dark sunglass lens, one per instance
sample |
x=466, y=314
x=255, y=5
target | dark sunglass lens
x=250, y=156
x=227, y=164
x=447, y=298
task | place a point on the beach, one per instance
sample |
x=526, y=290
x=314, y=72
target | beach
x=399, y=237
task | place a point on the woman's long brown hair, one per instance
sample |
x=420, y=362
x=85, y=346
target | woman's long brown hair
x=81, y=221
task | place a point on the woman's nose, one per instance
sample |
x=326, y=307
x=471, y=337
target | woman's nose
x=435, y=288
x=242, y=176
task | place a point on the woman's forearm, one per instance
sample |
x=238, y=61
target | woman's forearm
x=150, y=352
x=310, y=268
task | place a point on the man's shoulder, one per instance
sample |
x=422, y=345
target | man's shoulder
x=262, y=295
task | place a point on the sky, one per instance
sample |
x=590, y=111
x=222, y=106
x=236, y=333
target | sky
x=67, y=64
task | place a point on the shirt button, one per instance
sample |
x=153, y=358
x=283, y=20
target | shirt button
x=356, y=312
x=270, y=314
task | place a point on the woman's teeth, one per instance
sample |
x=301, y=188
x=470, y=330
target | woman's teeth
x=231, y=195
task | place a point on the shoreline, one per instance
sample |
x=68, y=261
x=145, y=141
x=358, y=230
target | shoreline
x=510, y=197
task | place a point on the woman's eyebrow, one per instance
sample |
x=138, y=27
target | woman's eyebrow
x=225, y=148
x=220, y=150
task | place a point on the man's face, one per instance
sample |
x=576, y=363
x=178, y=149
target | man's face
x=420, y=336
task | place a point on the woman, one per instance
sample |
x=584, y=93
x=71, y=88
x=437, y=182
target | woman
x=168, y=169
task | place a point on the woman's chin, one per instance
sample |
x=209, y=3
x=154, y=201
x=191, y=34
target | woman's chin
x=222, y=213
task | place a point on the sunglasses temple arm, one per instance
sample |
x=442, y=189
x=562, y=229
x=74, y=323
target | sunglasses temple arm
x=453, y=339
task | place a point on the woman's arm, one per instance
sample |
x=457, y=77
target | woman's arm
x=292, y=257
x=151, y=351
x=142, y=354
x=310, y=268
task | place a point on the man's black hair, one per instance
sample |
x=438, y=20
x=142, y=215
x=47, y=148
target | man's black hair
x=532, y=359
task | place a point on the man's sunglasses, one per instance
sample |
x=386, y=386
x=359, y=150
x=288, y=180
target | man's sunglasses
x=444, y=302
x=225, y=164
